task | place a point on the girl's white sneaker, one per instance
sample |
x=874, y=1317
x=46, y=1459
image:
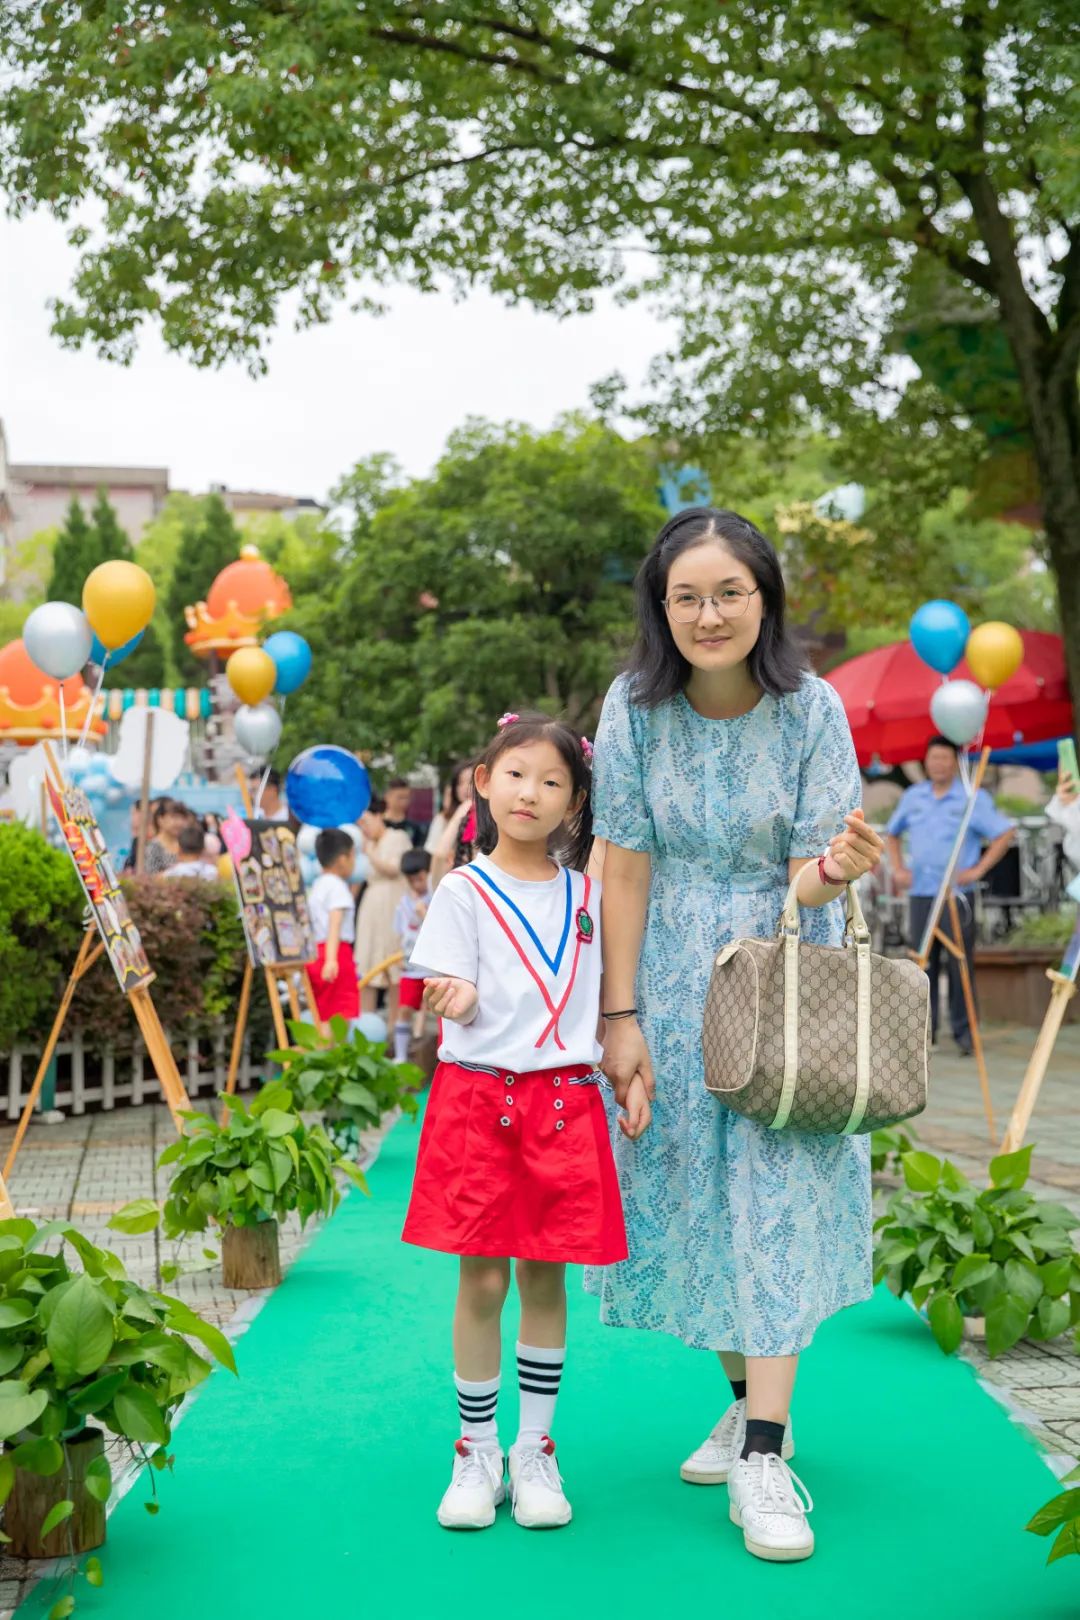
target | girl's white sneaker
x=476, y=1488
x=714, y=1459
x=769, y=1503
x=536, y=1488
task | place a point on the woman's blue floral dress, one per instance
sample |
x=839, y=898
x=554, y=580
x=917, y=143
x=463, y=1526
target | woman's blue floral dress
x=741, y=1238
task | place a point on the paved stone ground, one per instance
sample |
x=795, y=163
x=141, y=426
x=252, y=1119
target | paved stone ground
x=86, y=1168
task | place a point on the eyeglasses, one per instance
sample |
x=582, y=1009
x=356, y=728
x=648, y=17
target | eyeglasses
x=687, y=606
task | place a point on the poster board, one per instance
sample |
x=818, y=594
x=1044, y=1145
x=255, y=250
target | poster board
x=90, y=853
x=273, y=905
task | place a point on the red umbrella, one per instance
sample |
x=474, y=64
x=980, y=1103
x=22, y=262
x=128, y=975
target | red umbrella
x=886, y=695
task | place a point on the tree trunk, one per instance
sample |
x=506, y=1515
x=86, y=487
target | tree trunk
x=249, y=1256
x=32, y=1496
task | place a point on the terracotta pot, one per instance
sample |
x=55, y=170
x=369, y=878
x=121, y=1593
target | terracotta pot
x=249, y=1256
x=32, y=1497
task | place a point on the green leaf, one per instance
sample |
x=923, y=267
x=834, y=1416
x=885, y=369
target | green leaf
x=81, y=1332
x=1051, y=1318
x=358, y=1096
x=56, y=1515
x=7, y=1475
x=185, y=1320
x=99, y=1478
x=1059, y=1510
x=953, y=1178
x=1006, y=1323
x=972, y=1269
x=62, y=1610
x=1055, y=1275
x=1022, y=1279
x=141, y=1215
x=922, y=1171
x=14, y=1312
x=946, y=1322
x=39, y=1456
x=1011, y=1169
x=138, y=1415
x=93, y=1572
x=19, y=1407
x=1052, y=1240
x=95, y=1397
x=45, y=1233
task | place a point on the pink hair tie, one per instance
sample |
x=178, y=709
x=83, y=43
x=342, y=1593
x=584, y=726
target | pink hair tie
x=507, y=720
x=587, y=749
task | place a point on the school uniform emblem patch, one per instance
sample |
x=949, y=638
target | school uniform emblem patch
x=584, y=926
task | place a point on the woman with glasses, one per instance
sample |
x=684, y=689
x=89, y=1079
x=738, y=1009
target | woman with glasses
x=722, y=768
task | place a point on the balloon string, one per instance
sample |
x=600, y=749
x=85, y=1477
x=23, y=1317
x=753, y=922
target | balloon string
x=63, y=724
x=93, y=704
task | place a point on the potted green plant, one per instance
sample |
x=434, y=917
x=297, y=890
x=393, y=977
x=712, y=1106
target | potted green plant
x=1061, y=1513
x=246, y=1172
x=888, y=1146
x=80, y=1350
x=998, y=1257
x=1012, y=974
x=348, y=1078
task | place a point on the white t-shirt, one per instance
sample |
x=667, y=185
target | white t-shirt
x=206, y=870
x=407, y=926
x=331, y=893
x=531, y=949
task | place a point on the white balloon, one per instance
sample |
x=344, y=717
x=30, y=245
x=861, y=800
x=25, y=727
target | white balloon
x=958, y=709
x=58, y=637
x=372, y=1026
x=258, y=728
x=305, y=840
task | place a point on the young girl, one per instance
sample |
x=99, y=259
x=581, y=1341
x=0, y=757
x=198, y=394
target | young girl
x=515, y=1158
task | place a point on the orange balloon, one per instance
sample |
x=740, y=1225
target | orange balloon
x=225, y=868
x=994, y=653
x=251, y=674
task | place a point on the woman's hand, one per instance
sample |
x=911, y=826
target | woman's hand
x=626, y=1059
x=638, y=1115
x=455, y=999
x=855, y=851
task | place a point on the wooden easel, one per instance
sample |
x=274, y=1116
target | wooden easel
x=954, y=943
x=154, y=1039
x=1062, y=991
x=272, y=974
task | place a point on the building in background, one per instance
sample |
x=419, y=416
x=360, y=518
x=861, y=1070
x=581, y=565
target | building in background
x=36, y=495
x=249, y=503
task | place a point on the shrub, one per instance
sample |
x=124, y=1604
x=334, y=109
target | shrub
x=1053, y=930
x=41, y=905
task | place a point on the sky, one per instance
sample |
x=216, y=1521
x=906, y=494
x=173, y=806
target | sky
x=360, y=384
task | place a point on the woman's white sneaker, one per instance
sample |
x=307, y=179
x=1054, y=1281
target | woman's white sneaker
x=713, y=1461
x=536, y=1488
x=476, y=1488
x=770, y=1503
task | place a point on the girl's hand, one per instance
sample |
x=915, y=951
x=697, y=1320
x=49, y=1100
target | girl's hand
x=329, y=970
x=626, y=1058
x=1067, y=789
x=638, y=1113
x=455, y=999
x=855, y=851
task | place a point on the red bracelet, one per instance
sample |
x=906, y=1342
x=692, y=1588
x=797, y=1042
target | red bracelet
x=829, y=883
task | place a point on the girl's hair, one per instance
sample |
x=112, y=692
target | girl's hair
x=167, y=807
x=657, y=668
x=571, y=844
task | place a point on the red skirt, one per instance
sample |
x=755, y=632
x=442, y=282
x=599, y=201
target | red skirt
x=342, y=996
x=517, y=1166
x=411, y=994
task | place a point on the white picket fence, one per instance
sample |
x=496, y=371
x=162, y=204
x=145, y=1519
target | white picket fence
x=96, y=1075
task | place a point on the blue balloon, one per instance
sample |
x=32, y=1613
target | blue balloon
x=327, y=785
x=98, y=653
x=939, y=633
x=292, y=659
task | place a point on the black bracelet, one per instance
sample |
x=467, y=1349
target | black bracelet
x=627, y=1012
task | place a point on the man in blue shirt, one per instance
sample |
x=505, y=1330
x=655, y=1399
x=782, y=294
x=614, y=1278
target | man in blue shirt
x=930, y=813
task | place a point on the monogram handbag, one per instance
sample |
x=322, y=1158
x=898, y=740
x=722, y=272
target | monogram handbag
x=820, y=1038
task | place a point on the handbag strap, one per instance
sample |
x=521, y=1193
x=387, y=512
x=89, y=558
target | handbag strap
x=856, y=933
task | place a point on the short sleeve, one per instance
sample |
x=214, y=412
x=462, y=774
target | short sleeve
x=900, y=818
x=338, y=896
x=447, y=944
x=829, y=782
x=620, y=807
x=987, y=821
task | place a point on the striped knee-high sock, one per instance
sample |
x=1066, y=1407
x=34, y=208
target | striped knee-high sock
x=539, y=1372
x=476, y=1406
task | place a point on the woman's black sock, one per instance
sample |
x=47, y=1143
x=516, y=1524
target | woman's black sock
x=762, y=1436
x=738, y=1388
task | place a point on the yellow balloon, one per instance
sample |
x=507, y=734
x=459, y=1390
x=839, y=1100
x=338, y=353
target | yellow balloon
x=118, y=599
x=994, y=652
x=252, y=674
x=225, y=868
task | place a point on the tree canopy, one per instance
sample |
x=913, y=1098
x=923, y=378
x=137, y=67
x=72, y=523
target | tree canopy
x=207, y=545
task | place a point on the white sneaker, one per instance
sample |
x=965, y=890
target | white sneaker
x=475, y=1490
x=713, y=1461
x=767, y=1506
x=536, y=1488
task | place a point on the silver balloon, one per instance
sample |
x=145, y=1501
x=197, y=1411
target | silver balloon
x=58, y=637
x=258, y=728
x=958, y=709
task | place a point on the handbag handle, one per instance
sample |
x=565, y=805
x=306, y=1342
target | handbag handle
x=854, y=929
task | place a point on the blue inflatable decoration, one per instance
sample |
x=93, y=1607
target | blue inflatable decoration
x=327, y=785
x=98, y=653
x=939, y=633
x=371, y=1026
x=292, y=659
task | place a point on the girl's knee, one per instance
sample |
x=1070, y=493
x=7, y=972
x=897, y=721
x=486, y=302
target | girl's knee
x=485, y=1284
x=541, y=1280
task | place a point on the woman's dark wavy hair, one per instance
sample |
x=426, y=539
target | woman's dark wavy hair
x=657, y=669
x=571, y=844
